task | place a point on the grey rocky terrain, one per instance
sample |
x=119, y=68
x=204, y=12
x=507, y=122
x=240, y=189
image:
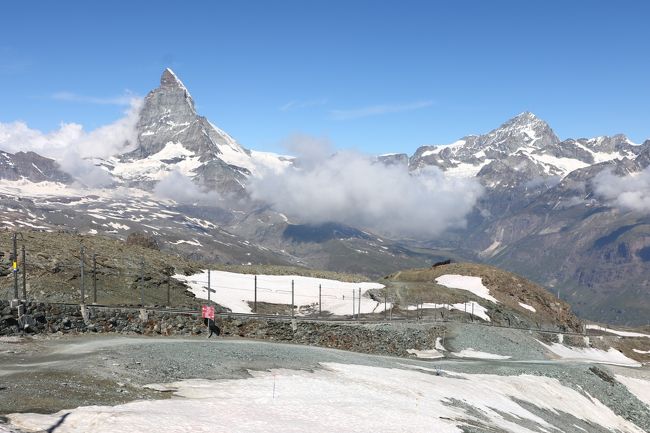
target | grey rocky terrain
x=112, y=370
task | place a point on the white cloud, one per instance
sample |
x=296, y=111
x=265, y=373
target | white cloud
x=631, y=192
x=354, y=189
x=117, y=137
x=70, y=144
x=180, y=188
x=376, y=110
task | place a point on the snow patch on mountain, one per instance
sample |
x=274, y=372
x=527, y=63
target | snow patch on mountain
x=172, y=157
x=463, y=282
x=527, y=307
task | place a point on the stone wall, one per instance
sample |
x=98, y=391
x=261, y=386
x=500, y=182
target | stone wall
x=381, y=338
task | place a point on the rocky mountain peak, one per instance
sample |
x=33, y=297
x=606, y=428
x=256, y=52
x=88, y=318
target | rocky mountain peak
x=173, y=137
x=523, y=118
x=169, y=79
x=523, y=130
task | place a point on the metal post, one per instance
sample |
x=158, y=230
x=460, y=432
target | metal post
x=94, y=278
x=168, y=294
x=83, y=276
x=354, y=303
x=255, y=299
x=24, y=271
x=359, y=309
x=320, y=300
x=15, y=265
x=209, y=285
x=292, y=298
x=142, y=281
x=472, y=311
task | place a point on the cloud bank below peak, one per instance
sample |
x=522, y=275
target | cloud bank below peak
x=354, y=189
x=628, y=193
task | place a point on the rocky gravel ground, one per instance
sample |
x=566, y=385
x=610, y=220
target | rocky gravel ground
x=50, y=373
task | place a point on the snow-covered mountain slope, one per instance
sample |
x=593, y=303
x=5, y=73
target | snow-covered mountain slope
x=523, y=149
x=172, y=137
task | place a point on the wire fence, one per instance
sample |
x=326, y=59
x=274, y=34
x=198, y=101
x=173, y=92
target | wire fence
x=85, y=275
x=90, y=277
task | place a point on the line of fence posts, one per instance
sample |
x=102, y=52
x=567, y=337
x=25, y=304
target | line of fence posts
x=24, y=272
x=142, y=281
x=15, y=265
x=83, y=282
x=94, y=278
x=209, y=285
x=359, y=309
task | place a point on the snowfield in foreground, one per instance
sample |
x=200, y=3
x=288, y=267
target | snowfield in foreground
x=236, y=291
x=471, y=353
x=344, y=398
x=639, y=387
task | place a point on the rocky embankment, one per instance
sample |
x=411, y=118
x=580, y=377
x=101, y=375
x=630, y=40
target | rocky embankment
x=378, y=338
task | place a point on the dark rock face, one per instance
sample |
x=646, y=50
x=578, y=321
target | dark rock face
x=142, y=240
x=31, y=166
x=304, y=233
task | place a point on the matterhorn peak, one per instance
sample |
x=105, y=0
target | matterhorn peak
x=169, y=79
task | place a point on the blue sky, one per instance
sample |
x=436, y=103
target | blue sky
x=375, y=76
